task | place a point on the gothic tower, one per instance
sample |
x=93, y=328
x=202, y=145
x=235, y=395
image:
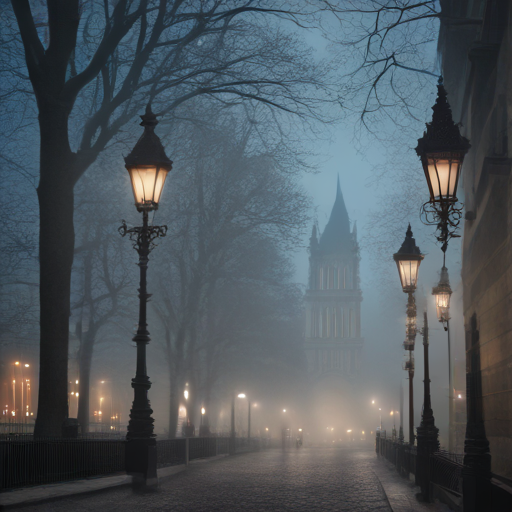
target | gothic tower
x=333, y=342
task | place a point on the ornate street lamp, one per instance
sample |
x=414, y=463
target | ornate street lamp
x=442, y=292
x=441, y=150
x=408, y=260
x=148, y=166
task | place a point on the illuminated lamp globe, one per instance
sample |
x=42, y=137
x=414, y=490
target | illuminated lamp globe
x=442, y=293
x=441, y=150
x=408, y=260
x=148, y=165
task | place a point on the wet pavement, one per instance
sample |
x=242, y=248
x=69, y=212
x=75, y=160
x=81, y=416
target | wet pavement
x=307, y=479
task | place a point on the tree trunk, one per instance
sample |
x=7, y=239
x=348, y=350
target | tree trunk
x=56, y=244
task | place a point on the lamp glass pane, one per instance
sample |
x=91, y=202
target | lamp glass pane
x=443, y=177
x=443, y=300
x=143, y=183
x=159, y=185
x=443, y=313
x=408, y=273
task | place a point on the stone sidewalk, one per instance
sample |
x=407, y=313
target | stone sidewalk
x=41, y=493
x=400, y=492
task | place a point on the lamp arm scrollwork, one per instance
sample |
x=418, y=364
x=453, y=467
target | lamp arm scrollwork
x=446, y=217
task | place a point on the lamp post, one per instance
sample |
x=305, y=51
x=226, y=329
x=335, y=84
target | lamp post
x=441, y=150
x=148, y=167
x=408, y=260
x=242, y=395
x=401, y=431
x=232, y=445
x=427, y=431
x=442, y=293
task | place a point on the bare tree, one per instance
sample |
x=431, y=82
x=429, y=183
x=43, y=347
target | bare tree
x=91, y=66
x=235, y=193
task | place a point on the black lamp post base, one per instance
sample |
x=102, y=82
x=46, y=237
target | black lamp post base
x=141, y=462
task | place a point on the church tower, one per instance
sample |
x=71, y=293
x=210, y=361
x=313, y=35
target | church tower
x=333, y=342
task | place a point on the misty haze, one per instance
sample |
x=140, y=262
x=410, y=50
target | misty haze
x=256, y=255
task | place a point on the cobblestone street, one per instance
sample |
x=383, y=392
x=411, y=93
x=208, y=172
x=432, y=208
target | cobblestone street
x=300, y=480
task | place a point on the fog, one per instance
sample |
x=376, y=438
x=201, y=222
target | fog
x=227, y=314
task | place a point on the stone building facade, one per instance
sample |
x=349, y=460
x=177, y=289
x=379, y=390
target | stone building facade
x=475, y=43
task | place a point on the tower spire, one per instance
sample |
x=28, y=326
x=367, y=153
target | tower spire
x=336, y=236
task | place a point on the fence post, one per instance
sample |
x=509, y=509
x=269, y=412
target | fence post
x=187, y=450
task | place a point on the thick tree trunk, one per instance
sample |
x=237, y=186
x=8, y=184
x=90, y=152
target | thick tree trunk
x=56, y=244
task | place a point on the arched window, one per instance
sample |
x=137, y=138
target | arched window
x=344, y=277
x=314, y=323
x=320, y=278
x=337, y=277
x=327, y=323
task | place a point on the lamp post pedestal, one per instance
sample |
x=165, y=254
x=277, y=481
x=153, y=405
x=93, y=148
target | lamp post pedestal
x=141, y=461
x=476, y=473
x=427, y=432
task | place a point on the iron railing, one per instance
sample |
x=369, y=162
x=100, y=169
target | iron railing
x=446, y=471
x=171, y=452
x=402, y=455
x=25, y=461
x=11, y=427
x=29, y=462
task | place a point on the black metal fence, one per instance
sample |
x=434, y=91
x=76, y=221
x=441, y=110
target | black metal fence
x=446, y=471
x=29, y=462
x=402, y=455
x=171, y=452
x=25, y=461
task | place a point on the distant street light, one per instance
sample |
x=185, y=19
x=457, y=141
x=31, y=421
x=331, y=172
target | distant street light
x=243, y=395
x=148, y=166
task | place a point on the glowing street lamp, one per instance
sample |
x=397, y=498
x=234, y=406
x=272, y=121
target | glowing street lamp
x=442, y=293
x=441, y=150
x=408, y=260
x=148, y=166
